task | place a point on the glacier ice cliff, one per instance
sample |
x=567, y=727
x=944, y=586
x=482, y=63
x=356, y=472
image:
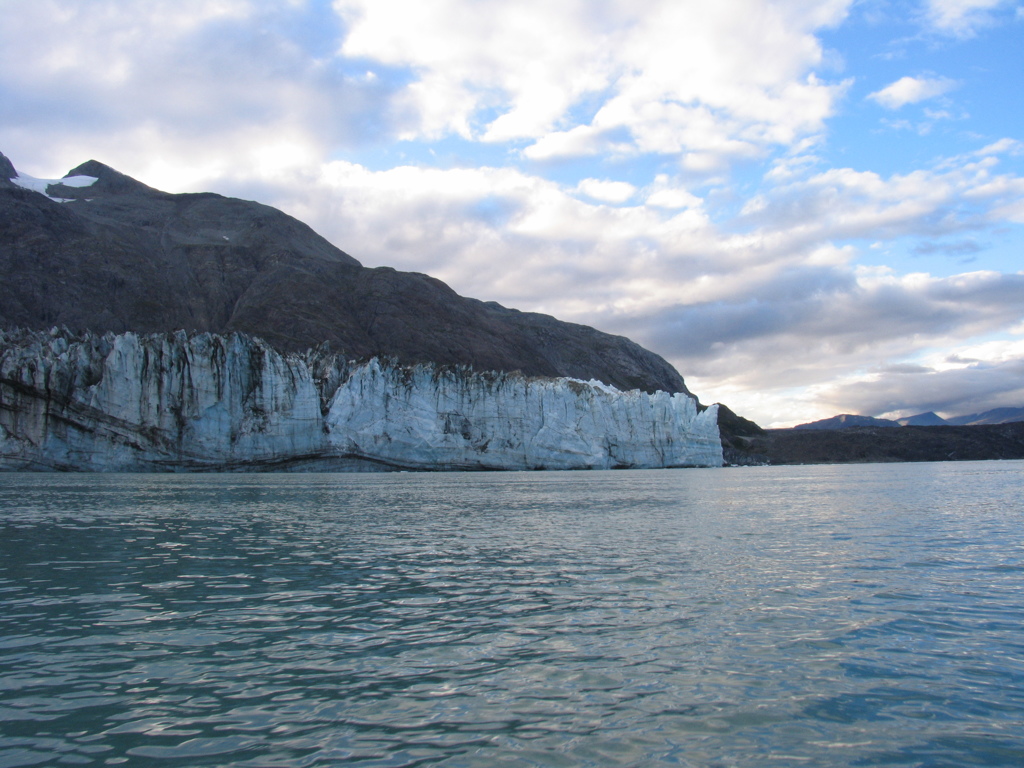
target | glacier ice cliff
x=179, y=402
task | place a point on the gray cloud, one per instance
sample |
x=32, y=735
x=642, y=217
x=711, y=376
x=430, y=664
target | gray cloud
x=904, y=369
x=825, y=326
x=822, y=307
x=960, y=248
x=954, y=393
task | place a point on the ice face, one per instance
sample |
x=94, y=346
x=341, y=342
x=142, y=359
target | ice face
x=179, y=402
x=429, y=418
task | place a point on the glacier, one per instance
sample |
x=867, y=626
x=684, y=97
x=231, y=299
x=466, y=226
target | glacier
x=206, y=402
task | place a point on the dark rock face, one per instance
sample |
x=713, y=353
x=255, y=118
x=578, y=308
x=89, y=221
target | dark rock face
x=121, y=256
x=7, y=171
x=740, y=438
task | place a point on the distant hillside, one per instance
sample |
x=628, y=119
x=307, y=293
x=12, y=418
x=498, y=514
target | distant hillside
x=851, y=439
x=884, y=444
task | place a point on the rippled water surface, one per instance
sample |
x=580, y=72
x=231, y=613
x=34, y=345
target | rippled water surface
x=824, y=616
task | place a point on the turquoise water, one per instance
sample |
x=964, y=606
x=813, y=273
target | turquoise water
x=778, y=616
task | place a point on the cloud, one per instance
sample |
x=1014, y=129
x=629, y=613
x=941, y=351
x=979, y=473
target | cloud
x=961, y=18
x=662, y=193
x=581, y=141
x=847, y=316
x=218, y=82
x=651, y=75
x=1007, y=146
x=805, y=342
x=910, y=90
x=973, y=387
x=179, y=92
x=605, y=190
x=525, y=60
x=962, y=248
x=958, y=195
x=490, y=232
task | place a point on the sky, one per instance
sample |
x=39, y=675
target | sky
x=809, y=207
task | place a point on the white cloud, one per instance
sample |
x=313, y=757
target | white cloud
x=962, y=194
x=662, y=77
x=179, y=93
x=511, y=227
x=844, y=345
x=663, y=193
x=125, y=31
x=910, y=90
x=581, y=141
x=606, y=190
x=961, y=17
x=523, y=59
x=1002, y=146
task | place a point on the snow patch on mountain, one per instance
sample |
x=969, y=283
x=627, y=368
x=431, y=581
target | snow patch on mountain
x=42, y=185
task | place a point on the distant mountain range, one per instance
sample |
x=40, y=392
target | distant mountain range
x=928, y=419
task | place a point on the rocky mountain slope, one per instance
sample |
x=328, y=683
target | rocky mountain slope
x=117, y=256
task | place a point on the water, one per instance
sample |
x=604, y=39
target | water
x=823, y=616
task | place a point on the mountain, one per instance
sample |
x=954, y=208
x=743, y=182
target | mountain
x=99, y=251
x=928, y=419
x=994, y=416
x=846, y=420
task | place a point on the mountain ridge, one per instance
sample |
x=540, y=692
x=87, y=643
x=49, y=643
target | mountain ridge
x=927, y=419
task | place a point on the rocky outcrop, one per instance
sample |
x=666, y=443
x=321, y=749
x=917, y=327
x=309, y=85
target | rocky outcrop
x=7, y=171
x=208, y=402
